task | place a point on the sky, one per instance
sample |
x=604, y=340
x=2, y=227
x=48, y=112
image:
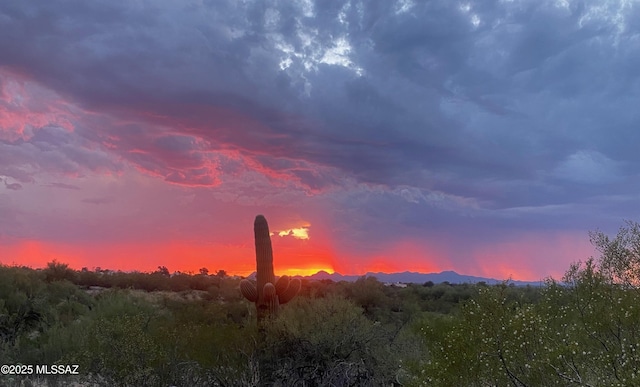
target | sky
x=486, y=137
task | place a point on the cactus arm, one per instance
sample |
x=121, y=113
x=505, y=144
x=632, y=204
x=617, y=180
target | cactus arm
x=290, y=291
x=249, y=290
x=282, y=284
x=269, y=291
x=269, y=304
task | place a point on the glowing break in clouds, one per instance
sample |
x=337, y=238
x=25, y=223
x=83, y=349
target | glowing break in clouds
x=298, y=233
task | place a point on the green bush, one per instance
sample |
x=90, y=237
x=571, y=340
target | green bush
x=326, y=341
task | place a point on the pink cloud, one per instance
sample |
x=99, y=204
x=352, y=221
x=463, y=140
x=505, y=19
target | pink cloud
x=192, y=145
x=25, y=107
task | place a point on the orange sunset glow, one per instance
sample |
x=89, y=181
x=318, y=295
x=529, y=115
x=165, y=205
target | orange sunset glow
x=290, y=258
x=183, y=257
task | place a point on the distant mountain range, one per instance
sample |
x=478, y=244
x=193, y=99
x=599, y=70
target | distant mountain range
x=416, y=278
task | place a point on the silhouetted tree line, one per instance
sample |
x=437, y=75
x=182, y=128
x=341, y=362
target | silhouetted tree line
x=159, y=280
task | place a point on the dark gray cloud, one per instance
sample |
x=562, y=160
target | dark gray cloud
x=63, y=186
x=99, y=201
x=11, y=186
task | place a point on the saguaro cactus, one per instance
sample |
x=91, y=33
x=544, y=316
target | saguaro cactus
x=267, y=296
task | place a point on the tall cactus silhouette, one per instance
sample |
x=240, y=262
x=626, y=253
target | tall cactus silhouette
x=267, y=296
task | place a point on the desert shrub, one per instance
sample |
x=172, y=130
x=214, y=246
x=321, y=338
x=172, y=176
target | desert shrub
x=57, y=271
x=326, y=341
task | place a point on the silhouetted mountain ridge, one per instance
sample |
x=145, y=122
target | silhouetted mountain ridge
x=408, y=277
x=419, y=278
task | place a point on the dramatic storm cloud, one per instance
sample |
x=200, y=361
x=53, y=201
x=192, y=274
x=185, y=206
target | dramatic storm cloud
x=487, y=137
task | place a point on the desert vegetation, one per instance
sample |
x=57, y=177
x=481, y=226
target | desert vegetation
x=161, y=329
